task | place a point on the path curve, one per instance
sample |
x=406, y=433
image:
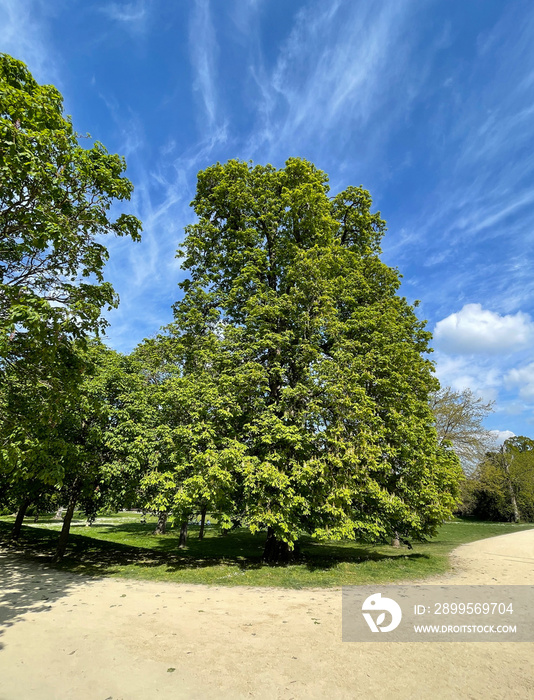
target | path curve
x=70, y=638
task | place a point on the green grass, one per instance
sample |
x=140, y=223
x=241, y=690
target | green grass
x=122, y=546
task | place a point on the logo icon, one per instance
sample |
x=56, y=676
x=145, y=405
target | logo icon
x=377, y=603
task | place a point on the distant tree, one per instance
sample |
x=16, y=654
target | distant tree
x=459, y=420
x=516, y=459
x=334, y=435
x=502, y=485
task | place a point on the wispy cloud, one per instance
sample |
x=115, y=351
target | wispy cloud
x=133, y=16
x=340, y=66
x=203, y=49
x=483, y=162
x=146, y=274
x=244, y=15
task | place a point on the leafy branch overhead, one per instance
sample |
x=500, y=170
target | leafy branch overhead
x=55, y=198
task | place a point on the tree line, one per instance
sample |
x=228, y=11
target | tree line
x=291, y=393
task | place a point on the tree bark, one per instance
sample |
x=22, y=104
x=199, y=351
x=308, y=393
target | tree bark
x=161, y=527
x=276, y=551
x=15, y=533
x=183, y=534
x=202, y=523
x=64, y=535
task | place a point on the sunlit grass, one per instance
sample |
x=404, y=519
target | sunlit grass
x=123, y=546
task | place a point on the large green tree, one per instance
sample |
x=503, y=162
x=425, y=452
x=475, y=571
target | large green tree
x=82, y=447
x=56, y=193
x=335, y=431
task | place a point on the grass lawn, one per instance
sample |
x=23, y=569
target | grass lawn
x=123, y=546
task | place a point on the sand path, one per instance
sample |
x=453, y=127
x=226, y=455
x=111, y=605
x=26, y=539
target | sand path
x=65, y=637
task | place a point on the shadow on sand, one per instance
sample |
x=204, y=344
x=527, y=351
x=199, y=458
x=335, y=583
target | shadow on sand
x=29, y=585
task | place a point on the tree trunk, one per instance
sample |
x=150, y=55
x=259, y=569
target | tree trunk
x=513, y=500
x=202, y=523
x=517, y=515
x=64, y=535
x=161, y=527
x=183, y=534
x=15, y=533
x=276, y=550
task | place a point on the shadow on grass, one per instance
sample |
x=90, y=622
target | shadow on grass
x=324, y=564
x=90, y=555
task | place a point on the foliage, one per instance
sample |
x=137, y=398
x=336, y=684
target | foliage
x=57, y=442
x=183, y=451
x=34, y=410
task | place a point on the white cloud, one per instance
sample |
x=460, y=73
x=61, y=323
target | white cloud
x=481, y=377
x=244, y=15
x=523, y=377
x=477, y=330
x=501, y=435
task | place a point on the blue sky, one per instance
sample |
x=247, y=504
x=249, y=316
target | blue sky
x=429, y=104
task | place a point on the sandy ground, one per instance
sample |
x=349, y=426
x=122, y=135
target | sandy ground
x=63, y=637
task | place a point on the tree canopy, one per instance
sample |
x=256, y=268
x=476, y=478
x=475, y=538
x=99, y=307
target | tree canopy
x=291, y=392
x=55, y=197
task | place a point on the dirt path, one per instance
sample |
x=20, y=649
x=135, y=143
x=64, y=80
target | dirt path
x=68, y=638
